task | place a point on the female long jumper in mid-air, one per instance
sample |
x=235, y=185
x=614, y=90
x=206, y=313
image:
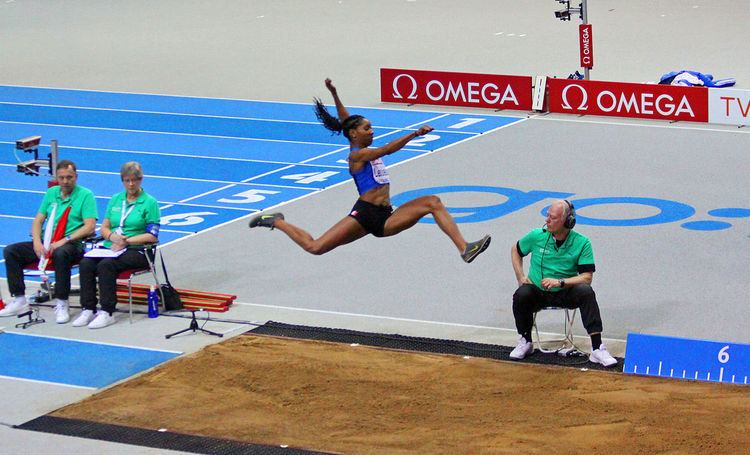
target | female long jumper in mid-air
x=372, y=213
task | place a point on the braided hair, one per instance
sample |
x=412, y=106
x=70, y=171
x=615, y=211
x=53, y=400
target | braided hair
x=332, y=123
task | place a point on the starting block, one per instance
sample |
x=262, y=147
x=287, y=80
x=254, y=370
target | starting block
x=683, y=358
x=31, y=145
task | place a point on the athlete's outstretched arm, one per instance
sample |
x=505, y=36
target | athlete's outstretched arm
x=341, y=110
x=373, y=153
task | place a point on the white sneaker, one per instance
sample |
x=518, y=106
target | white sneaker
x=523, y=348
x=16, y=306
x=102, y=319
x=62, y=312
x=84, y=318
x=601, y=356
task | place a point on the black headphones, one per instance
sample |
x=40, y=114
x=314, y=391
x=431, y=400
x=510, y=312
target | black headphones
x=570, y=220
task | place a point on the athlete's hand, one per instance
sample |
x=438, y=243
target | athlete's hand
x=524, y=280
x=330, y=87
x=424, y=129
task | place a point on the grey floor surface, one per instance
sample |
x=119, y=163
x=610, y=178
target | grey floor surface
x=658, y=279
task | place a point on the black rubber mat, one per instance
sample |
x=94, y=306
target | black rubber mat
x=152, y=438
x=434, y=345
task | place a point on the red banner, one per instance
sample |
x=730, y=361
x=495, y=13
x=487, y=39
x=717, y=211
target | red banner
x=622, y=99
x=455, y=89
x=586, y=43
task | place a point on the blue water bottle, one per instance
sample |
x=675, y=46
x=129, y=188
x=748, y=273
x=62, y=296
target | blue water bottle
x=153, y=303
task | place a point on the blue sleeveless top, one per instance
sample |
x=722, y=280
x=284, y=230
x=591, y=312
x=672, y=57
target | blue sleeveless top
x=372, y=175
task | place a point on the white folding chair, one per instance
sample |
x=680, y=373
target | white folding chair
x=561, y=343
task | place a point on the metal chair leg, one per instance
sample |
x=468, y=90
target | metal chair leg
x=130, y=298
x=561, y=343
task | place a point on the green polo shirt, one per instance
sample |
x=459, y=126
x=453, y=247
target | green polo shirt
x=548, y=260
x=82, y=203
x=139, y=213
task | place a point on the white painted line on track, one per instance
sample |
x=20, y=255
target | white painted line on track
x=371, y=316
x=49, y=383
x=97, y=342
x=17, y=217
x=99, y=128
x=388, y=318
x=244, y=182
x=183, y=155
x=730, y=128
x=183, y=114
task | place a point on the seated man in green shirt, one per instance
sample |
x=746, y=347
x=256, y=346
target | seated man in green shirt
x=132, y=220
x=560, y=274
x=79, y=223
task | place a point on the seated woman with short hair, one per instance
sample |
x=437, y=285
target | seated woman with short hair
x=131, y=221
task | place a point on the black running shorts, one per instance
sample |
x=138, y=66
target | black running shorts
x=372, y=217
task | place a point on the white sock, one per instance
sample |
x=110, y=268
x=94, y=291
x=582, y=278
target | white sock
x=61, y=302
x=20, y=299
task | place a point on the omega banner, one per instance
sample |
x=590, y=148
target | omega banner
x=586, y=45
x=623, y=99
x=455, y=89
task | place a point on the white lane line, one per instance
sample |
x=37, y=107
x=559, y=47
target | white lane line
x=394, y=128
x=99, y=128
x=181, y=114
x=184, y=155
x=96, y=342
x=17, y=217
x=187, y=179
x=162, y=95
x=36, y=381
x=387, y=318
x=620, y=123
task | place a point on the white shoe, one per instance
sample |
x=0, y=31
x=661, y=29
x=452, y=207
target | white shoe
x=84, y=318
x=601, y=356
x=102, y=319
x=523, y=348
x=17, y=306
x=62, y=312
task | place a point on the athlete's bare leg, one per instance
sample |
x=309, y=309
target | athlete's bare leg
x=410, y=213
x=345, y=231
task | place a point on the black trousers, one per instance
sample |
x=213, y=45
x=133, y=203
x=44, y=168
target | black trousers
x=528, y=299
x=107, y=269
x=19, y=254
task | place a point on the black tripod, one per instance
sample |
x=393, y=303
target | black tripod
x=194, y=327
